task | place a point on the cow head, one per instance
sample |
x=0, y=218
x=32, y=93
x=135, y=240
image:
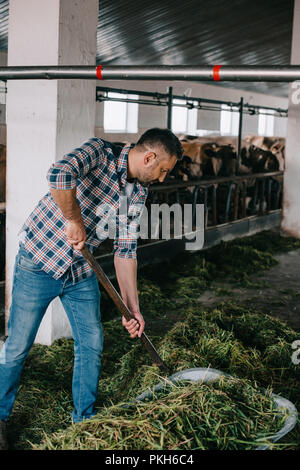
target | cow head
x=181, y=169
x=211, y=163
x=261, y=161
x=228, y=156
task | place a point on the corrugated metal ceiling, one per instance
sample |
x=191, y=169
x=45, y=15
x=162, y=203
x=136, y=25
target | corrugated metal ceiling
x=193, y=32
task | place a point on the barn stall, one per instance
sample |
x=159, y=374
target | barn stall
x=228, y=345
x=237, y=179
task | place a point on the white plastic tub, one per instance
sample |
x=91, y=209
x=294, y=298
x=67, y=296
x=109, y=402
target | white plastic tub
x=208, y=375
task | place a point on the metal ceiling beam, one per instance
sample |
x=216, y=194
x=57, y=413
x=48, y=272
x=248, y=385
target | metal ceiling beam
x=163, y=72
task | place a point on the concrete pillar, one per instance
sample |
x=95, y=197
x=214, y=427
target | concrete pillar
x=45, y=119
x=3, y=63
x=291, y=213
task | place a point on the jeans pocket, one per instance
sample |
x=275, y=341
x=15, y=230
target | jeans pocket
x=25, y=262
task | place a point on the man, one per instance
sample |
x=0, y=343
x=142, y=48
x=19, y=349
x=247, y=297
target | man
x=49, y=263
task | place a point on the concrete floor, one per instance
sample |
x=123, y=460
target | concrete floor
x=279, y=294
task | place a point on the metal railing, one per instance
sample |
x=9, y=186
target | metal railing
x=167, y=99
x=225, y=199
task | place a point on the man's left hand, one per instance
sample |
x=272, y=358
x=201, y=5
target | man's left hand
x=135, y=326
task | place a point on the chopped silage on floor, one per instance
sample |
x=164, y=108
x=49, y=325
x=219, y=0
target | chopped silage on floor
x=222, y=339
x=249, y=345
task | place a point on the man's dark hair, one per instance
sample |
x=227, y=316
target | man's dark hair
x=164, y=138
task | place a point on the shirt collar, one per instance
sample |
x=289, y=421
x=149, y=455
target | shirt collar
x=122, y=164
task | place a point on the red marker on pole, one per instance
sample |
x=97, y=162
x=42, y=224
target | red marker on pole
x=99, y=72
x=216, y=73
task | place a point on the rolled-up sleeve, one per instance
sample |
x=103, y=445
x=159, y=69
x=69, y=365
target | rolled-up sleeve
x=125, y=243
x=63, y=173
x=123, y=250
x=127, y=233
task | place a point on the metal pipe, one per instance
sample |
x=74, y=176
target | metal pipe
x=124, y=91
x=164, y=96
x=132, y=100
x=236, y=202
x=159, y=102
x=257, y=108
x=166, y=186
x=170, y=104
x=227, y=205
x=161, y=96
x=101, y=99
x=288, y=73
x=239, y=146
x=214, y=204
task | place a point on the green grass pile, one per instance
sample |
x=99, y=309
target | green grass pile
x=191, y=273
x=248, y=344
x=226, y=415
x=227, y=338
x=215, y=338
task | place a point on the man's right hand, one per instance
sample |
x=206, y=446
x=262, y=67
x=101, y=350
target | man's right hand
x=76, y=234
x=68, y=204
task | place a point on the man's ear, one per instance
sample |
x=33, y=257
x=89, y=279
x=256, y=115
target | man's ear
x=149, y=158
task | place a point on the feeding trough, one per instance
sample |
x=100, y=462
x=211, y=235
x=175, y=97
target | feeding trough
x=209, y=375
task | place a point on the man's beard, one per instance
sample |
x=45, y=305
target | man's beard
x=146, y=178
x=145, y=184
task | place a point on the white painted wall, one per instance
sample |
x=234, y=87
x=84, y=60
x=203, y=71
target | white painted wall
x=45, y=118
x=3, y=63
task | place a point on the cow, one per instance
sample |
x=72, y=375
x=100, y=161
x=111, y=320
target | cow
x=208, y=159
x=217, y=157
x=259, y=160
x=276, y=145
x=181, y=170
x=205, y=160
x=211, y=159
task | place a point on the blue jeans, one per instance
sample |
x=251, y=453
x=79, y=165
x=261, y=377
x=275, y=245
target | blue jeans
x=33, y=290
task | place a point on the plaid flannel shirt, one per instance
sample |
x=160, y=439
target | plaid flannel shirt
x=98, y=169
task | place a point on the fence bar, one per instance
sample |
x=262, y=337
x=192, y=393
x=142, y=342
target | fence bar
x=125, y=91
x=269, y=191
x=170, y=104
x=236, y=202
x=239, y=146
x=214, y=204
x=166, y=186
x=227, y=206
x=244, y=195
x=261, y=197
x=205, y=207
x=216, y=73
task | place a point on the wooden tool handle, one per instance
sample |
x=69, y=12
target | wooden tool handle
x=114, y=295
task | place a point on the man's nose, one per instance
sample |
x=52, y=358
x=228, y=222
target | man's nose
x=162, y=177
